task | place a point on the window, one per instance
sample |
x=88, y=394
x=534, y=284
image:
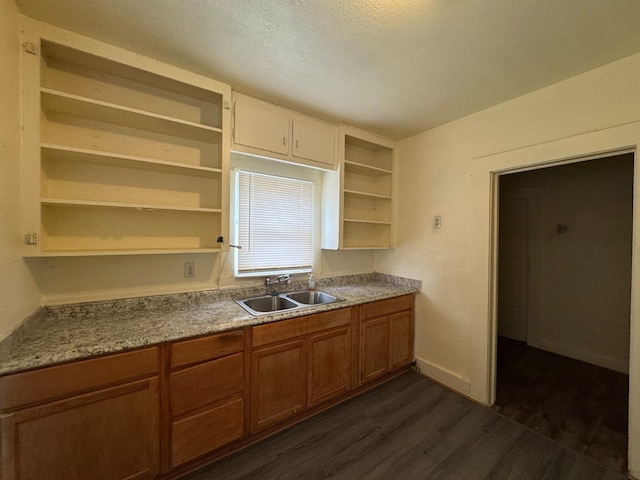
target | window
x=274, y=224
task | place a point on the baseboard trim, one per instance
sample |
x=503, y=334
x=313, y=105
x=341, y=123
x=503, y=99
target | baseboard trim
x=445, y=377
x=603, y=361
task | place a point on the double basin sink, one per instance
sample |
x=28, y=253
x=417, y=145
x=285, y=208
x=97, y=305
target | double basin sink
x=265, y=304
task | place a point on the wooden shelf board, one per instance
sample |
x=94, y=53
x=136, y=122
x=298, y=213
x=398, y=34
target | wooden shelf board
x=98, y=64
x=60, y=202
x=372, y=222
x=367, y=195
x=359, y=142
x=76, y=105
x=61, y=152
x=93, y=253
x=363, y=169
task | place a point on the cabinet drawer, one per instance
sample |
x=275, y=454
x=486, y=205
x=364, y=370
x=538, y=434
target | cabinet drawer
x=205, y=431
x=206, y=348
x=202, y=384
x=49, y=383
x=297, y=327
x=385, y=307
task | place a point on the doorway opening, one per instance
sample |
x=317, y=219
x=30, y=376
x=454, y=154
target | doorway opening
x=563, y=303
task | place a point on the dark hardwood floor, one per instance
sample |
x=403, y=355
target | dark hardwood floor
x=581, y=406
x=409, y=428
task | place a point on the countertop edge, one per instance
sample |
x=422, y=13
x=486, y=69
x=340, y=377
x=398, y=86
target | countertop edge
x=21, y=360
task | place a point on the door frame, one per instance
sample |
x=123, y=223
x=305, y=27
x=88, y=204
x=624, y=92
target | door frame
x=534, y=196
x=485, y=172
x=495, y=226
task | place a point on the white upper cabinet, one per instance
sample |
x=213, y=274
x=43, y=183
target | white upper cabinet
x=259, y=125
x=315, y=141
x=271, y=131
x=122, y=154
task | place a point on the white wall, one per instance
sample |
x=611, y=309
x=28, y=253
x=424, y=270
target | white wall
x=19, y=295
x=586, y=271
x=450, y=171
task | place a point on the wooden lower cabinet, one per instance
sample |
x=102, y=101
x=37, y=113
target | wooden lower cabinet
x=278, y=383
x=400, y=339
x=206, y=395
x=108, y=434
x=297, y=364
x=161, y=411
x=329, y=365
x=203, y=432
x=386, y=337
x=374, y=341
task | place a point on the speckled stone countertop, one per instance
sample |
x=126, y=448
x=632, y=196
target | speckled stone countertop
x=71, y=332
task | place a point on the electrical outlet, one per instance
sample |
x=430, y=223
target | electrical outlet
x=437, y=221
x=189, y=269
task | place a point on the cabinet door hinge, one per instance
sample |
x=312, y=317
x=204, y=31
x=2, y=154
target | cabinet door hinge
x=226, y=105
x=31, y=47
x=31, y=239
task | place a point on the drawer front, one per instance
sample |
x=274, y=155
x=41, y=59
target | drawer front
x=205, y=431
x=385, y=307
x=297, y=327
x=197, y=386
x=202, y=349
x=37, y=386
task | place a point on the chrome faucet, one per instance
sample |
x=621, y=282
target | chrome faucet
x=278, y=281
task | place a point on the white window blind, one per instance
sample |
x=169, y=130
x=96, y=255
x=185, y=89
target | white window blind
x=275, y=224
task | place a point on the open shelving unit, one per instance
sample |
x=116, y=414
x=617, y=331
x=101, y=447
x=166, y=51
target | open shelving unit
x=364, y=185
x=128, y=160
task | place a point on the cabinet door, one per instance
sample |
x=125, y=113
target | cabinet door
x=329, y=365
x=374, y=348
x=315, y=141
x=111, y=433
x=400, y=340
x=259, y=125
x=278, y=383
x=207, y=430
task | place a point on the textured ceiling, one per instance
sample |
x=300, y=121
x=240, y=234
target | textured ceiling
x=396, y=67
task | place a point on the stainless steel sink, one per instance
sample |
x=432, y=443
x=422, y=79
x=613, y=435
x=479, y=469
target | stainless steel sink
x=312, y=297
x=266, y=304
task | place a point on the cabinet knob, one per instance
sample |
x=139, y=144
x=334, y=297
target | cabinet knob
x=284, y=140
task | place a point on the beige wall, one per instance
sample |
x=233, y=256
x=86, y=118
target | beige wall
x=450, y=171
x=585, y=297
x=19, y=295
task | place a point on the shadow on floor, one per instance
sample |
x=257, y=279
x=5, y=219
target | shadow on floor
x=581, y=406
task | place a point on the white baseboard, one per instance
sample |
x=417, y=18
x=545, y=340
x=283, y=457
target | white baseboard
x=445, y=377
x=617, y=364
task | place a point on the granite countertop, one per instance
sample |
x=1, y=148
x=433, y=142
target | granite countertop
x=71, y=332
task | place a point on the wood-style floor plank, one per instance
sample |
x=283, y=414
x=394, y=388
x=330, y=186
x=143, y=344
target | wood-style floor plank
x=409, y=428
x=582, y=406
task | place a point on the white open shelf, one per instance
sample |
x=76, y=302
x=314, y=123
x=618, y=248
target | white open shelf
x=61, y=202
x=122, y=160
x=62, y=152
x=78, y=106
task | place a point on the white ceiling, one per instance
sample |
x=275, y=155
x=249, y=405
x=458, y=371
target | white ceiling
x=396, y=67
